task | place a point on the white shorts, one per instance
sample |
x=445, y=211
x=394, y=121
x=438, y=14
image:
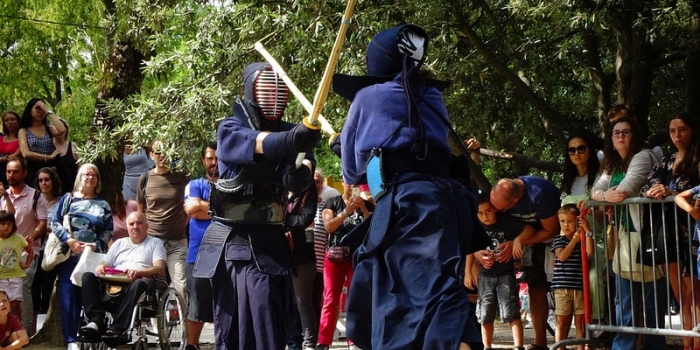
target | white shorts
x=13, y=287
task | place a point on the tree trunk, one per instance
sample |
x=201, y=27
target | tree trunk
x=692, y=66
x=122, y=78
x=50, y=332
x=635, y=55
x=123, y=71
x=602, y=82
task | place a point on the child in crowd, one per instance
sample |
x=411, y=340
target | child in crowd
x=525, y=305
x=567, y=282
x=12, y=335
x=496, y=282
x=12, y=264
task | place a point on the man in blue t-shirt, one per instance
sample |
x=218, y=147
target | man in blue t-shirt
x=534, y=201
x=199, y=306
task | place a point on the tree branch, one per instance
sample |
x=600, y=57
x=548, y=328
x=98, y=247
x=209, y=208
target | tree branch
x=549, y=116
x=527, y=161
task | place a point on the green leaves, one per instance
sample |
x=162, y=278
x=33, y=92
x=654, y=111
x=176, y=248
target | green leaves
x=194, y=52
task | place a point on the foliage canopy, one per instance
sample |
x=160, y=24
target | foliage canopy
x=531, y=71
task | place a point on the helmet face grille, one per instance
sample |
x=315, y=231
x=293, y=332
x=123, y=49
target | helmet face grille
x=271, y=94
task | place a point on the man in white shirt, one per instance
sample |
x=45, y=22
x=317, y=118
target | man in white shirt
x=139, y=257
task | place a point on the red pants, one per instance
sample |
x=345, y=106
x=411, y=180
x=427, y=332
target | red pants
x=334, y=275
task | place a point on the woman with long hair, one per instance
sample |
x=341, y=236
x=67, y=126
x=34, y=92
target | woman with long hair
x=49, y=184
x=674, y=174
x=120, y=210
x=67, y=159
x=625, y=168
x=89, y=225
x=581, y=168
x=9, y=144
x=35, y=136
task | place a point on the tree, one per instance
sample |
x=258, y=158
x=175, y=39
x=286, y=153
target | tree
x=531, y=72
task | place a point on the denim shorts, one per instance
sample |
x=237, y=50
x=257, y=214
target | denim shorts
x=536, y=277
x=497, y=293
x=199, y=298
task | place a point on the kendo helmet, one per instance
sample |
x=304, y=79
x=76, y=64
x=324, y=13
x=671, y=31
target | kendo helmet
x=388, y=49
x=265, y=90
x=388, y=54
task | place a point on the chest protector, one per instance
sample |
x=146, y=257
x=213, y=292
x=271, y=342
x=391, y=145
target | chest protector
x=254, y=196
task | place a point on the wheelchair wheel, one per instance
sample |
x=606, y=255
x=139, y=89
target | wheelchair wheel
x=140, y=344
x=171, y=320
x=93, y=346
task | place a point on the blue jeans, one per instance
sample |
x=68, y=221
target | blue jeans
x=70, y=299
x=632, y=296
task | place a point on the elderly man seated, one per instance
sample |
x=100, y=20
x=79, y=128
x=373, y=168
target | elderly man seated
x=136, y=258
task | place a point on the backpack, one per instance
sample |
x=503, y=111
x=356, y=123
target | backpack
x=37, y=194
x=143, y=181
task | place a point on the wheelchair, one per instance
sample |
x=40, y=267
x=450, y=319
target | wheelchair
x=166, y=306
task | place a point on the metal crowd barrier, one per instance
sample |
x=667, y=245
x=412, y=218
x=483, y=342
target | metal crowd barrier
x=633, y=240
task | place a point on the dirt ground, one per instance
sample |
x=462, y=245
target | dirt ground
x=502, y=340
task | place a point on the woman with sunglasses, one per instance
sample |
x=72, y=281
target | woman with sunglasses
x=625, y=167
x=581, y=167
x=35, y=137
x=673, y=174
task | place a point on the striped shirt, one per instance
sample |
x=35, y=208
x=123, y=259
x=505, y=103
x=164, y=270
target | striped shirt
x=320, y=237
x=568, y=273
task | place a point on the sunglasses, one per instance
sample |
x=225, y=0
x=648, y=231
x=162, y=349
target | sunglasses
x=580, y=149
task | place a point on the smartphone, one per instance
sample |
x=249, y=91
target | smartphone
x=355, y=191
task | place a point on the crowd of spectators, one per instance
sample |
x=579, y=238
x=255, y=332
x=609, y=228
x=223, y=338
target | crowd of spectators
x=533, y=224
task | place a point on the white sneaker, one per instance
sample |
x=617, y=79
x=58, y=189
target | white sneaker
x=73, y=346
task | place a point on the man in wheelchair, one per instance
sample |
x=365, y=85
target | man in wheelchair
x=122, y=279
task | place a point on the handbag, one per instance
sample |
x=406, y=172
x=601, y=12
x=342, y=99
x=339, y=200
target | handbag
x=54, y=253
x=626, y=255
x=87, y=264
x=659, y=235
x=57, y=252
x=339, y=254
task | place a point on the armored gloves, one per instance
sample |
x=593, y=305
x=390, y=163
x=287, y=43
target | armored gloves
x=283, y=143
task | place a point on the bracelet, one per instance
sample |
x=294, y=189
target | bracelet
x=602, y=196
x=346, y=213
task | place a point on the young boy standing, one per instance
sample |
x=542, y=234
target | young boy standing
x=567, y=282
x=496, y=282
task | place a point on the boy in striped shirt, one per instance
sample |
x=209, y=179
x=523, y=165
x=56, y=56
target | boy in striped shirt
x=567, y=282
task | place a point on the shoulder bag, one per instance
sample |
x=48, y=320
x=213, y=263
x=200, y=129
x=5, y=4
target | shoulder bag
x=55, y=251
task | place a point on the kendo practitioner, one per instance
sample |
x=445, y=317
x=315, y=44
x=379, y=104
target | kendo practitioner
x=244, y=250
x=407, y=292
